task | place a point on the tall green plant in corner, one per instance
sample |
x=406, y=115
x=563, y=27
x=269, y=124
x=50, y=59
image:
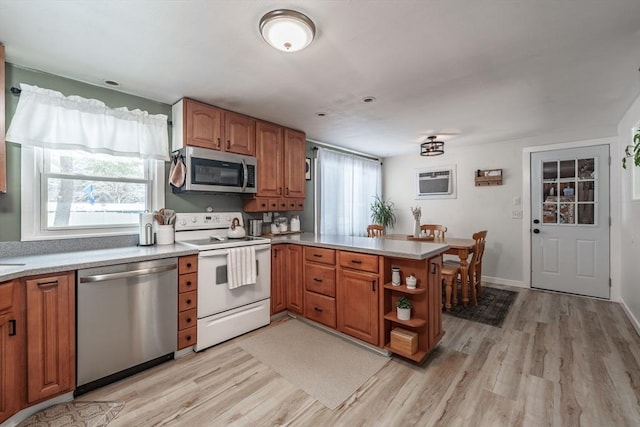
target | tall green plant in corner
x=633, y=150
x=382, y=212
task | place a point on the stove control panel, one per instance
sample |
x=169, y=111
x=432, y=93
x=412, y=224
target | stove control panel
x=206, y=220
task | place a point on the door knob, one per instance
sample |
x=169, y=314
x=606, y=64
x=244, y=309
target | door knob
x=536, y=221
x=536, y=231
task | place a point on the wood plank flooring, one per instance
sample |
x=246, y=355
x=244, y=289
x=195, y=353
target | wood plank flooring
x=558, y=360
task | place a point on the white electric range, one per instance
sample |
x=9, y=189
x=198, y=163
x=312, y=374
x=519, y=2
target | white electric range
x=225, y=313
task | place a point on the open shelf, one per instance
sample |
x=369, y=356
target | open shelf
x=418, y=356
x=414, y=322
x=404, y=289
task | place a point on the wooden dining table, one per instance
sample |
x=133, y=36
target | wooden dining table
x=457, y=246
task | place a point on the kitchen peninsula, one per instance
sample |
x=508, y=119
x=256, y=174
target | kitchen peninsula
x=344, y=283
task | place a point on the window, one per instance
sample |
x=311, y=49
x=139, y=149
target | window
x=81, y=194
x=347, y=185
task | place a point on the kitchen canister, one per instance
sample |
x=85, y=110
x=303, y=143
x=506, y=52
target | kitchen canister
x=164, y=234
x=395, y=276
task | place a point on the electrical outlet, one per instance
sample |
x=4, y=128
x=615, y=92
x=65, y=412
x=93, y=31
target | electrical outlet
x=516, y=201
x=516, y=214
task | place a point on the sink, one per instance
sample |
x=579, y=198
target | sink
x=4, y=267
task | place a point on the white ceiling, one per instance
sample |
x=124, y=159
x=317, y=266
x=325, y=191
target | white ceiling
x=494, y=70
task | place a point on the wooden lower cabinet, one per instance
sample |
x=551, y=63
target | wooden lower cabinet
x=187, y=301
x=12, y=346
x=293, y=279
x=50, y=307
x=357, y=301
x=320, y=308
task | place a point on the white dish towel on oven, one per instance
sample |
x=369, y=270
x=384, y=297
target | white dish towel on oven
x=241, y=266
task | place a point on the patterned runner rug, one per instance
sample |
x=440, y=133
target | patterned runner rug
x=75, y=414
x=493, y=307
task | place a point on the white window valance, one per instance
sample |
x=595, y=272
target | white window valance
x=48, y=119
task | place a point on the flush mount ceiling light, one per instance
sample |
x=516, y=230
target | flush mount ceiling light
x=287, y=30
x=432, y=147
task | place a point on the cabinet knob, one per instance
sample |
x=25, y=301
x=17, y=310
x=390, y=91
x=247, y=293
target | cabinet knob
x=228, y=144
x=188, y=319
x=317, y=309
x=218, y=144
x=188, y=337
x=279, y=190
x=12, y=328
x=287, y=191
x=315, y=279
x=188, y=301
x=188, y=265
x=189, y=283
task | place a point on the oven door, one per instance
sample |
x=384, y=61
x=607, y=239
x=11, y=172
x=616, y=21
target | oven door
x=214, y=295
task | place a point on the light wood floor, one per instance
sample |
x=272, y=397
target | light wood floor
x=558, y=360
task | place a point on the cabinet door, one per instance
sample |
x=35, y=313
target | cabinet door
x=203, y=125
x=12, y=333
x=269, y=149
x=3, y=152
x=293, y=279
x=240, y=134
x=294, y=164
x=434, y=290
x=51, y=336
x=278, y=271
x=357, y=302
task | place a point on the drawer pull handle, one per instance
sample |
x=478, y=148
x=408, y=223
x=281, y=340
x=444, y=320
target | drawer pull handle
x=317, y=255
x=373, y=285
x=189, y=283
x=218, y=143
x=188, y=337
x=188, y=319
x=356, y=261
x=48, y=284
x=12, y=328
x=317, y=309
x=188, y=265
x=188, y=301
x=315, y=279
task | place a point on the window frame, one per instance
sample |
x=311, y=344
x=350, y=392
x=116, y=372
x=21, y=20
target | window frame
x=34, y=218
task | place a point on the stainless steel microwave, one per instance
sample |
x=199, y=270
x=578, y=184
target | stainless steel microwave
x=216, y=171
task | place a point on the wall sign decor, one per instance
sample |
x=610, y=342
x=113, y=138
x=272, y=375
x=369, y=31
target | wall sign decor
x=488, y=177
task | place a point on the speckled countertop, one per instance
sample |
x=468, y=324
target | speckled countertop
x=20, y=266
x=387, y=247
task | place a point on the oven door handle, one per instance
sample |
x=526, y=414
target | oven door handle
x=245, y=177
x=224, y=252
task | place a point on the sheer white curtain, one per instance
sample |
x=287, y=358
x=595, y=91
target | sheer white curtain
x=347, y=185
x=48, y=119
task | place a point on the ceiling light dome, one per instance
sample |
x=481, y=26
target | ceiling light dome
x=287, y=30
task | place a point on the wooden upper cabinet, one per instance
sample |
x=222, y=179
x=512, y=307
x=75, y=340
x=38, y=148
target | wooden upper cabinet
x=12, y=336
x=51, y=336
x=269, y=152
x=294, y=165
x=240, y=134
x=202, y=125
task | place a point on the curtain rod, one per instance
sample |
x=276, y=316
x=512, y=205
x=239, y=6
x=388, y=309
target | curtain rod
x=335, y=147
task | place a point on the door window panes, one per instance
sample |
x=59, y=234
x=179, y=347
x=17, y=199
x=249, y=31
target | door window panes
x=569, y=192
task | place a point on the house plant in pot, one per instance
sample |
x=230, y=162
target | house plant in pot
x=404, y=308
x=382, y=212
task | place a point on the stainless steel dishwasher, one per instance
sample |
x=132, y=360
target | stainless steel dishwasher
x=126, y=320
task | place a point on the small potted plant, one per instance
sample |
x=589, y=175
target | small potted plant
x=633, y=151
x=404, y=308
x=382, y=212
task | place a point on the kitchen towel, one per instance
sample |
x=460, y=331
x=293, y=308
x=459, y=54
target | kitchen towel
x=177, y=174
x=241, y=267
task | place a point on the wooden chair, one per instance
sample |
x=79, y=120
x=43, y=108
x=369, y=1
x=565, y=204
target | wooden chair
x=475, y=266
x=375, y=230
x=449, y=275
x=434, y=230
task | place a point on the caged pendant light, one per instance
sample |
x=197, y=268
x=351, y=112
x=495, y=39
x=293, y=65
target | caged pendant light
x=432, y=147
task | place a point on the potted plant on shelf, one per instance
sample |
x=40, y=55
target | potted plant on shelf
x=382, y=212
x=404, y=308
x=633, y=150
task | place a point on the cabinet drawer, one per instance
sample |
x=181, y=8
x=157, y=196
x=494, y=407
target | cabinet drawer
x=187, y=282
x=187, y=319
x=187, y=301
x=320, y=279
x=188, y=264
x=320, y=308
x=356, y=261
x=324, y=256
x=187, y=338
x=274, y=205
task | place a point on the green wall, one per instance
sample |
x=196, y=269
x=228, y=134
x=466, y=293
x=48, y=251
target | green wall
x=10, y=202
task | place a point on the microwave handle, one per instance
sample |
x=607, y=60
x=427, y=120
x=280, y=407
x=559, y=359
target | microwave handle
x=245, y=177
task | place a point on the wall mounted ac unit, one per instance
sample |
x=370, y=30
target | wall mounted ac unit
x=437, y=182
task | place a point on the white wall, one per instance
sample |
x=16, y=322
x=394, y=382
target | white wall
x=474, y=209
x=629, y=260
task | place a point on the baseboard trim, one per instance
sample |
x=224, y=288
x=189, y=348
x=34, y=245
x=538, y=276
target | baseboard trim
x=632, y=318
x=507, y=282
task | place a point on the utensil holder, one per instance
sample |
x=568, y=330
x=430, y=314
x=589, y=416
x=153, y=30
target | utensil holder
x=165, y=235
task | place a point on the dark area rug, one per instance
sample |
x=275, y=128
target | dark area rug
x=492, y=308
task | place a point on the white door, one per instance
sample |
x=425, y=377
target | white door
x=570, y=220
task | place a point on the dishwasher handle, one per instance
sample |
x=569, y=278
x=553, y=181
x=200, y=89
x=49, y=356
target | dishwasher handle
x=126, y=274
